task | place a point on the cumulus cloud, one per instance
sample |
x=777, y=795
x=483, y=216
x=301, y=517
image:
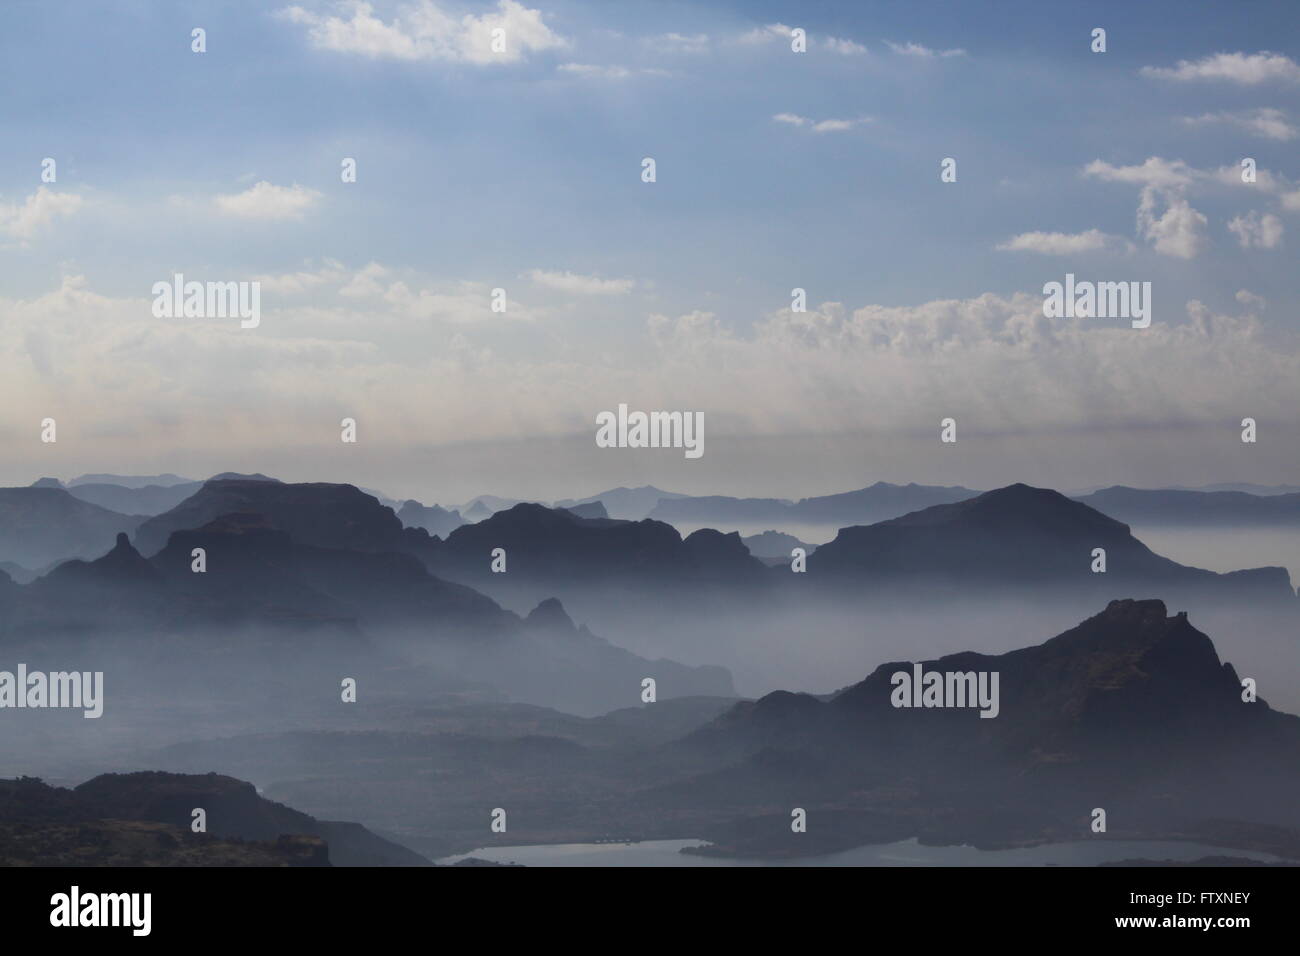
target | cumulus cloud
x=1266, y=122
x=266, y=201
x=1061, y=243
x=393, y=363
x=425, y=30
x=1155, y=171
x=1247, y=69
x=1255, y=231
x=580, y=284
x=40, y=209
x=1178, y=231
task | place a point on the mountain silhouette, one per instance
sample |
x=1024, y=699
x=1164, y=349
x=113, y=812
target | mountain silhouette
x=1020, y=537
x=555, y=546
x=1122, y=712
x=323, y=514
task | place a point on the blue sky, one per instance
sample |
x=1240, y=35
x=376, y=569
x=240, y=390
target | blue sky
x=774, y=170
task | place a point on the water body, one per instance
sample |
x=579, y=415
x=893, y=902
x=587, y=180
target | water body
x=904, y=853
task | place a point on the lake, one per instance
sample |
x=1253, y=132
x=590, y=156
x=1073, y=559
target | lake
x=904, y=853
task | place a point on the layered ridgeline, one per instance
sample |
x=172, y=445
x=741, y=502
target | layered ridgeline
x=1131, y=712
x=864, y=506
x=147, y=819
x=317, y=579
x=44, y=524
x=1193, y=509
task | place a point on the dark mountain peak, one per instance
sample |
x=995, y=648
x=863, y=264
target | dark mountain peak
x=236, y=476
x=1130, y=665
x=550, y=615
x=122, y=569
x=317, y=513
x=123, y=559
x=530, y=516
x=707, y=544
x=47, y=483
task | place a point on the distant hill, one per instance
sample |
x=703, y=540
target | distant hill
x=865, y=506
x=132, y=481
x=631, y=504
x=485, y=505
x=147, y=500
x=591, y=509
x=1246, y=487
x=1019, y=538
x=775, y=545
x=432, y=518
x=144, y=819
x=41, y=525
x=1141, y=506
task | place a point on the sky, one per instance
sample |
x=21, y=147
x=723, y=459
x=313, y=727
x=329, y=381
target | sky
x=521, y=170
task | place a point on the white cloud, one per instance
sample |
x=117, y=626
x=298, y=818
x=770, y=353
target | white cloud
x=36, y=212
x=365, y=282
x=1162, y=173
x=289, y=284
x=1256, y=231
x=266, y=201
x=423, y=30
x=844, y=47
x=996, y=358
x=678, y=43
x=391, y=361
x=1176, y=174
x=1251, y=300
x=579, y=284
x=763, y=34
x=821, y=126
x=1179, y=231
x=606, y=71
x=1246, y=69
x=1266, y=122
x=1060, y=243
x=916, y=49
